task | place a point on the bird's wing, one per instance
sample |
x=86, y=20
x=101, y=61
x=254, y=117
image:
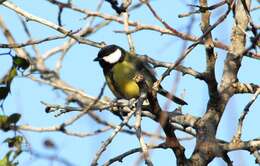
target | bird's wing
x=146, y=69
x=111, y=83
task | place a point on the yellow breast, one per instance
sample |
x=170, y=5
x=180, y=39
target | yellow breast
x=123, y=74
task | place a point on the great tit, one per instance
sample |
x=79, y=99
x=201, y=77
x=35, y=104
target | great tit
x=120, y=67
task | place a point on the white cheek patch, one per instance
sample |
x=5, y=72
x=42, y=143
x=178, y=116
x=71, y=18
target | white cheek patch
x=113, y=57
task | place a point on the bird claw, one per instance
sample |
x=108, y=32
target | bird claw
x=156, y=85
x=123, y=102
x=132, y=103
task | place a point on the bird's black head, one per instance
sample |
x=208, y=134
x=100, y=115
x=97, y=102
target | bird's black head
x=110, y=55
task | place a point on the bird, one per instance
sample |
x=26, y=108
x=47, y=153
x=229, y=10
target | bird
x=120, y=67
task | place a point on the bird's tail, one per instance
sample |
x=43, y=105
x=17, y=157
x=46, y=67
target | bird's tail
x=171, y=97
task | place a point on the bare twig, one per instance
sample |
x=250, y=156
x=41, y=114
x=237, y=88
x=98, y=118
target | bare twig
x=58, y=28
x=120, y=157
x=59, y=84
x=54, y=157
x=129, y=36
x=31, y=42
x=237, y=137
x=27, y=31
x=191, y=47
x=62, y=127
x=59, y=129
x=202, y=9
x=245, y=88
x=19, y=51
x=163, y=119
x=107, y=123
x=251, y=145
x=255, y=8
x=180, y=68
x=139, y=26
x=76, y=117
x=112, y=136
x=138, y=128
x=87, y=30
x=256, y=153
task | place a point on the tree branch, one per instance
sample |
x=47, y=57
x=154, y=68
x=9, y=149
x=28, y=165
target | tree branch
x=109, y=140
x=47, y=23
x=237, y=137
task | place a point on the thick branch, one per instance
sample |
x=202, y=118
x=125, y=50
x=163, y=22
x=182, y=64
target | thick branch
x=163, y=119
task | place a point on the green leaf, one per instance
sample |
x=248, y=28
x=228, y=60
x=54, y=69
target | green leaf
x=4, y=90
x=3, y=122
x=14, y=118
x=6, y=160
x=8, y=78
x=7, y=121
x=20, y=62
x=3, y=119
x=12, y=73
x=5, y=83
x=14, y=142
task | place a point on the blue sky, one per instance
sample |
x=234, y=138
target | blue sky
x=80, y=71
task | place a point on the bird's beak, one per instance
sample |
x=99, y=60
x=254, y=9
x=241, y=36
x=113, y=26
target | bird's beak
x=97, y=59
